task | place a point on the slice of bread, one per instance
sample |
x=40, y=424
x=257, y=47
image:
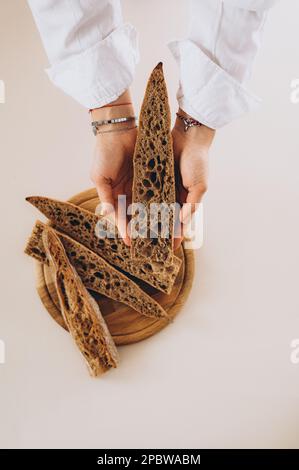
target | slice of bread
x=80, y=311
x=81, y=225
x=96, y=274
x=154, y=176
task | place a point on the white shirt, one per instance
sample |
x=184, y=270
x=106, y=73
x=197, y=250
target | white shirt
x=93, y=53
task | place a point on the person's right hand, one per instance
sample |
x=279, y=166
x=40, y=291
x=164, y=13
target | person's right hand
x=112, y=168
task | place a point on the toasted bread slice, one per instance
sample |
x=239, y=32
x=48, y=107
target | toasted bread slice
x=96, y=274
x=80, y=311
x=154, y=176
x=81, y=225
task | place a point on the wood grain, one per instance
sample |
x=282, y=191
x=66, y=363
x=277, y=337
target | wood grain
x=125, y=324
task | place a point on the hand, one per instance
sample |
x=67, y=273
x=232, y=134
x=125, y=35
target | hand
x=112, y=169
x=191, y=152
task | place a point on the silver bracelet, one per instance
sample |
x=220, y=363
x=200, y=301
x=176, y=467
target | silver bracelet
x=96, y=124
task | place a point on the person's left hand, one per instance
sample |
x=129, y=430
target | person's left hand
x=191, y=152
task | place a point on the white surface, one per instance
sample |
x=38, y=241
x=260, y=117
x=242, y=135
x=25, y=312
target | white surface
x=220, y=375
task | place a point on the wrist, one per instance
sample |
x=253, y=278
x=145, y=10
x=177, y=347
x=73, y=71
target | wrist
x=121, y=107
x=202, y=134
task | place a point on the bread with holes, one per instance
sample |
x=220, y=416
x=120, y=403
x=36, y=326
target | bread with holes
x=154, y=176
x=81, y=313
x=81, y=225
x=96, y=274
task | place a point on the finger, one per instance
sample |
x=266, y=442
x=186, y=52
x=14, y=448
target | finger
x=177, y=242
x=181, y=195
x=122, y=223
x=177, y=227
x=194, y=196
x=104, y=191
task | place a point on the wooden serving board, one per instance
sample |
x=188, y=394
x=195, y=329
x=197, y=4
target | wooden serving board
x=125, y=324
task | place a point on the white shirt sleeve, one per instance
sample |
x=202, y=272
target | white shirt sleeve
x=216, y=58
x=92, y=52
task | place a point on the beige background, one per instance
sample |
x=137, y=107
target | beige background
x=221, y=375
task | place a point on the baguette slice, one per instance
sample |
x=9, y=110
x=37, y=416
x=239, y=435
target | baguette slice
x=80, y=311
x=154, y=177
x=81, y=225
x=96, y=274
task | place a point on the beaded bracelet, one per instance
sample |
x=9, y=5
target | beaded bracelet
x=96, y=124
x=188, y=122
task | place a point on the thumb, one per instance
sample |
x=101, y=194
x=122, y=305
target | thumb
x=122, y=225
x=104, y=190
x=194, y=196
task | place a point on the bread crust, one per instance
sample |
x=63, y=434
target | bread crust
x=81, y=313
x=81, y=225
x=95, y=273
x=154, y=175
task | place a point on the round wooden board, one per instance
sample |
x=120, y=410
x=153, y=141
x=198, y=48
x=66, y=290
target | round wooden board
x=125, y=324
